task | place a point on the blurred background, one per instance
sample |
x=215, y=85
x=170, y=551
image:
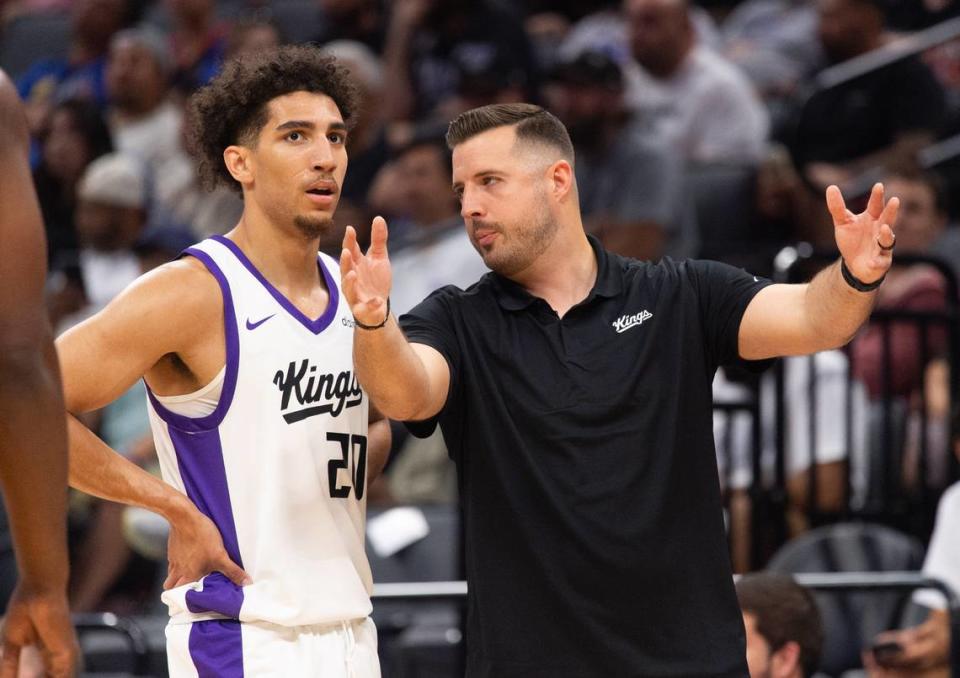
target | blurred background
x=703, y=130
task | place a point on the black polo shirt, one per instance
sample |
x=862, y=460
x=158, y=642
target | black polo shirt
x=595, y=543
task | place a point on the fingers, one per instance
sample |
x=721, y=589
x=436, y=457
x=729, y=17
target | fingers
x=875, y=203
x=378, y=237
x=349, y=284
x=886, y=238
x=346, y=263
x=836, y=205
x=169, y=581
x=10, y=664
x=889, y=215
x=234, y=572
x=349, y=238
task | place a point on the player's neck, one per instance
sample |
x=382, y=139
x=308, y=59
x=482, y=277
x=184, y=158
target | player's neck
x=565, y=273
x=287, y=260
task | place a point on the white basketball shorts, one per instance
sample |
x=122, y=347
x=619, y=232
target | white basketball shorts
x=231, y=649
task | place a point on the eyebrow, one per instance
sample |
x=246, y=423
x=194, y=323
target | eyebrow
x=478, y=175
x=338, y=126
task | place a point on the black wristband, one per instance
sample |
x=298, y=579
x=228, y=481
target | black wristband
x=374, y=327
x=856, y=283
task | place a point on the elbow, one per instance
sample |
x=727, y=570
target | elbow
x=399, y=410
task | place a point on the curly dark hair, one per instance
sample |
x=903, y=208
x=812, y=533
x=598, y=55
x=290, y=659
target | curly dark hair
x=233, y=107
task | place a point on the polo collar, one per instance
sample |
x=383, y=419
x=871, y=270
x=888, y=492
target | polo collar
x=609, y=283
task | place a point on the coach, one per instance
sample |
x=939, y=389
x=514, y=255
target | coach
x=572, y=387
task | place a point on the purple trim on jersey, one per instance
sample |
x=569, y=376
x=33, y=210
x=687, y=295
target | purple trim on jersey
x=212, y=420
x=219, y=595
x=200, y=460
x=316, y=326
x=216, y=648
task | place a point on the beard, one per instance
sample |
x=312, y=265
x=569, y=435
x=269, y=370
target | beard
x=519, y=246
x=313, y=227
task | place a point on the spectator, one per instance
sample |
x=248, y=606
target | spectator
x=924, y=651
x=923, y=217
x=110, y=220
x=249, y=35
x=367, y=144
x=431, y=247
x=360, y=21
x=784, y=631
x=630, y=184
x=82, y=72
x=484, y=79
x=75, y=135
x=839, y=448
x=878, y=119
x=700, y=103
x=426, y=39
x=197, y=41
x=145, y=121
x=110, y=217
x=774, y=42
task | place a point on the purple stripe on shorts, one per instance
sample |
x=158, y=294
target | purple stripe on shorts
x=200, y=460
x=316, y=326
x=216, y=648
x=212, y=420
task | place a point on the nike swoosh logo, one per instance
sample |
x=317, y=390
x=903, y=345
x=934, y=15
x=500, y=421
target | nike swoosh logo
x=253, y=326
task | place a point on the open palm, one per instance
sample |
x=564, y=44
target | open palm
x=860, y=236
x=366, y=277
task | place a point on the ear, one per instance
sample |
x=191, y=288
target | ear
x=239, y=163
x=785, y=662
x=562, y=179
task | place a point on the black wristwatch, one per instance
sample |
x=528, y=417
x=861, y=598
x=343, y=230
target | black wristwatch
x=855, y=282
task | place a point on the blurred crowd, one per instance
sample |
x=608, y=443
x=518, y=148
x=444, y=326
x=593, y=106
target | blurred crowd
x=700, y=130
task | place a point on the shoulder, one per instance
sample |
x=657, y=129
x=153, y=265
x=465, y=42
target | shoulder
x=180, y=289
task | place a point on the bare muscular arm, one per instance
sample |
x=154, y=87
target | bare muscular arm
x=33, y=460
x=153, y=319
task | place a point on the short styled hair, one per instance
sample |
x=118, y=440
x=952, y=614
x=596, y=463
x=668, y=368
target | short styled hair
x=533, y=124
x=233, y=107
x=785, y=611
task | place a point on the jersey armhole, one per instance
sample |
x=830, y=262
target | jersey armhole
x=232, y=335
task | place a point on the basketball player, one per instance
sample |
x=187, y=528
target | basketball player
x=33, y=442
x=245, y=346
x=572, y=387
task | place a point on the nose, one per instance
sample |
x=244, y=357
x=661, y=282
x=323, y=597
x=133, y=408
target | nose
x=323, y=158
x=470, y=205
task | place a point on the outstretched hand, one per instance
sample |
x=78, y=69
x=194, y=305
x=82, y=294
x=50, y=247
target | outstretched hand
x=865, y=240
x=366, y=277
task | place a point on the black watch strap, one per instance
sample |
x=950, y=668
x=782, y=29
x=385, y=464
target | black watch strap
x=855, y=282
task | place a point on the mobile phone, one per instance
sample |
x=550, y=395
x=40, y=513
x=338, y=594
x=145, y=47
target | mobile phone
x=885, y=651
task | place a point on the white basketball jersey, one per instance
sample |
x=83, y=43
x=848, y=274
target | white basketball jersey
x=280, y=465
